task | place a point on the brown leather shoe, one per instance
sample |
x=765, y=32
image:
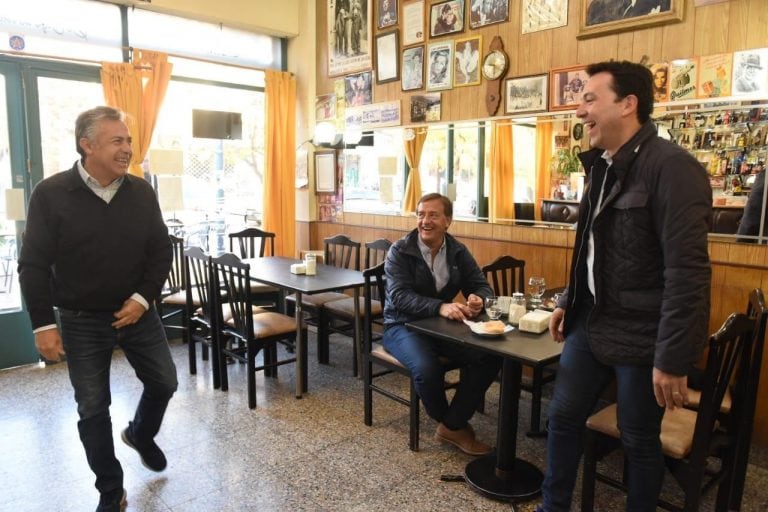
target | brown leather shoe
x=463, y=439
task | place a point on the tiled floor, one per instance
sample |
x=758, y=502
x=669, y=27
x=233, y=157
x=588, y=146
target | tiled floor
x=312, y=454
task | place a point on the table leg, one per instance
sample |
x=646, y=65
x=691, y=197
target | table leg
x=501, y=475
x=301, y=349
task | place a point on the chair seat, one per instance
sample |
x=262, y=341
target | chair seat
x=694, y=399
x=677, y=429
x=319, y=299
x=267, y=324
x=257, y=288
x=379, y=351
x=180, y=298
x=346, y=307
x=226, y=311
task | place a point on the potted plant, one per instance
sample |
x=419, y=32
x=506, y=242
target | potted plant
x=567, y=164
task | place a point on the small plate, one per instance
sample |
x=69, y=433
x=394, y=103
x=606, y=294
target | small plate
x=477, y=329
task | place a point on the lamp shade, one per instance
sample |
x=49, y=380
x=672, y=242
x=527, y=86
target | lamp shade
x=14, y=204
x=166, y=161
x=170, y=193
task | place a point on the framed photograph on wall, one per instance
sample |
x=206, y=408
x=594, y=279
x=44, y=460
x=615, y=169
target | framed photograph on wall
x=425, y=107
x=439, y=68
x=487, y=12
x=325, y=172
x=413, y=68
x=386, y=13
x=601, y=17
x=349, y=36
x=413, y=22
x=446, y=17
x=566, y=87
x=527, y=94
x=387, y=57
x=466, y=62
x=358, y=89
x=540, y=15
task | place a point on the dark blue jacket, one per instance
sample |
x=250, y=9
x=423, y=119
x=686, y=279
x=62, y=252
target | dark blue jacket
x=411, y=292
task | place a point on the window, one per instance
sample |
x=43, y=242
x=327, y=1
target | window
x=373, y=175
x=466, y=169
x=433, y=167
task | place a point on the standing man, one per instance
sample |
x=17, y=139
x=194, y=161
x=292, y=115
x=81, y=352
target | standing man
x=425, y=270
x=637, y=304
x=96, y=248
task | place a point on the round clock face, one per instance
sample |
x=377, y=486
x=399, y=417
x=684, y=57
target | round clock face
x=494, y=65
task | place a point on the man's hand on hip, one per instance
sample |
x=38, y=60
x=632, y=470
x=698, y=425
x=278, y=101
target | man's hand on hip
x=48, y=343
x=128, y=314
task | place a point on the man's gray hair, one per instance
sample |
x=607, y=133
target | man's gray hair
x=87, y=123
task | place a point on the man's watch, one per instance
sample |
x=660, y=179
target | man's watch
x=495, y=65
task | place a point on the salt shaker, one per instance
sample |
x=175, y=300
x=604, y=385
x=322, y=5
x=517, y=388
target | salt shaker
x=516, y=308
x=310, y=260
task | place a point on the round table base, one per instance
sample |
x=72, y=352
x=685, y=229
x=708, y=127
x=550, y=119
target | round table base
x=523, y=483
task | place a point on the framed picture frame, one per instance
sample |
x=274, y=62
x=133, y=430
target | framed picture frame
x=426, y=107
x=566, y=87
x=325, y=172
x=446, y=17
x=526, y=94
x=412, y=66
x=487, y=12
x=540, y=15
x=599, y=17
x=466, y=61
x=386, y=13
x=349, y=39
x=358, y=89
x=439, y=69
x=387, y=56
x=412, y=17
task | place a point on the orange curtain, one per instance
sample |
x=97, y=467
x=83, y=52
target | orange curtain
x=543, y=159
x=413, y=149
x=501, y=206
x=280, y=161
x=138, y=89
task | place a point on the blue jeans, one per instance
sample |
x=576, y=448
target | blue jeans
x=421, y=355
x=89, y=340
x=580, y=380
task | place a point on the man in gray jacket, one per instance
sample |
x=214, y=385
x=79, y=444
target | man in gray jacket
x=637, y=305
x=425, y=270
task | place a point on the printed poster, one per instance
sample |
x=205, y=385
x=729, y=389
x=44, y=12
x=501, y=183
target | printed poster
x=715, y=75
x=683, y=74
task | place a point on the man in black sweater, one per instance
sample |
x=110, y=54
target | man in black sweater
x=96, y=248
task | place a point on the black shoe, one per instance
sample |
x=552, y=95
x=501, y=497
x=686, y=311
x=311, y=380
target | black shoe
x=151, y=455
x=113, y=501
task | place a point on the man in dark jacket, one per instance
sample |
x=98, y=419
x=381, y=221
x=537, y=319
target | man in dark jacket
x=97, y=249
x=637, y=304
x=425, y=270
x=752, y=218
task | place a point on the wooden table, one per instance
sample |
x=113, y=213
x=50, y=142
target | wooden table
x=276, y=271
x=501, y=475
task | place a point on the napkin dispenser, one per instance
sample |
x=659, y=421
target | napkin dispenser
x=535, y=321
x=298, y=268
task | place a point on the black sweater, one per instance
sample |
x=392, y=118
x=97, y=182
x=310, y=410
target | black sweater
x=79, y=252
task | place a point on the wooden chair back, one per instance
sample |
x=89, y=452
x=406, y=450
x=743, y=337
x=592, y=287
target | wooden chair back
x=506, y=275
x=341, y=251
x=376, y=252
x=252, y=243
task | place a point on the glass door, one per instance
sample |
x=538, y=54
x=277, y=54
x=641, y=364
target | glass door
x=39, y=102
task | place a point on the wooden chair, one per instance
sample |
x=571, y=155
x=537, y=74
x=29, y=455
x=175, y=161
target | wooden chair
x=689, y=438
x=340, y=313
x=506, y=275
x=374, y=354
x=249, y=330
x=173, y=298
x=255, y=243
x=339, y=251
x=202, y=323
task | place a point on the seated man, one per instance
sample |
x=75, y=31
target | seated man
x=425, y=270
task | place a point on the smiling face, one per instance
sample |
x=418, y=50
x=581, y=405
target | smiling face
x=610, y=121
x=432, y=222
x=108, y=152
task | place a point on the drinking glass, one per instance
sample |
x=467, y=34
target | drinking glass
x=492, y=308
x=536, y=287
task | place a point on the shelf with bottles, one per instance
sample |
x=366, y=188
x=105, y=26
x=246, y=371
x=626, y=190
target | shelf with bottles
x=725, y=128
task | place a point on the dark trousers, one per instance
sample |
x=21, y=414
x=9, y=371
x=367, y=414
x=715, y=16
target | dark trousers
x=421, y=355
x=580, y=380
x=89, y=340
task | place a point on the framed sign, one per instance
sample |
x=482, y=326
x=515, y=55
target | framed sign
x=527, y=94
x=566, y=87
x=387, y=48
x=600, y=17
x=413, y=22
x=325, y=172
x=349, y=36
